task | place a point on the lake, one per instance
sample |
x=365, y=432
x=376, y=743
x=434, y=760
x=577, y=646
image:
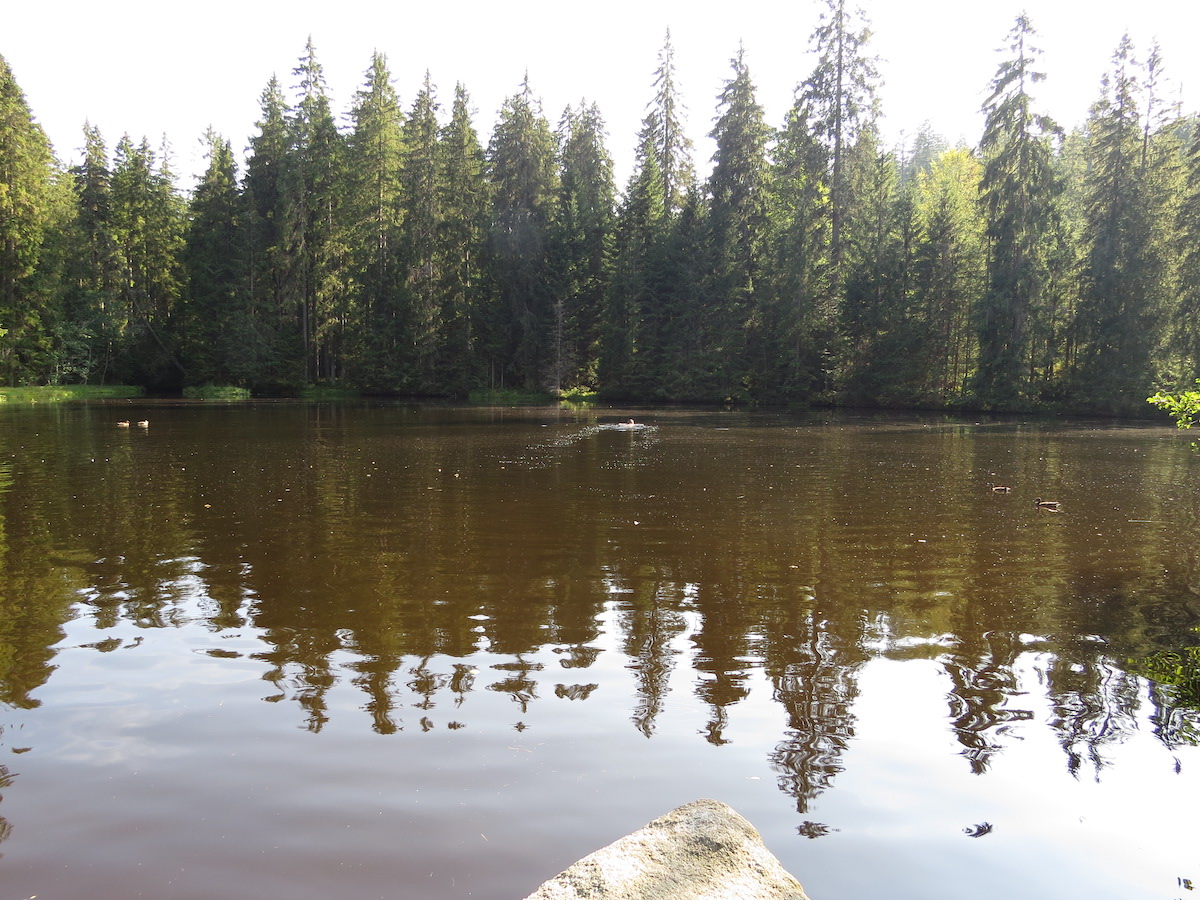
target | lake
x=383, y=650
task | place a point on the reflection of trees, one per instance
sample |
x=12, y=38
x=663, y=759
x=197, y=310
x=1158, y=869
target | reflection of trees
x=1175, y=725
x=36, y=583
x=984, y=685
x=1093, y=703
x=650, y=625
x=399, y=562
x=813, y=667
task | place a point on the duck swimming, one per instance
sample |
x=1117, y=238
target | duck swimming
x=1048, y=505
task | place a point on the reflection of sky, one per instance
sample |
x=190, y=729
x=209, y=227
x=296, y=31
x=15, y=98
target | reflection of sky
x=904, y=763
x=151, y=735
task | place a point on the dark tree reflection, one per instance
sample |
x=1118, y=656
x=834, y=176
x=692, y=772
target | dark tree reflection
x=983, y=689
x=814, y=673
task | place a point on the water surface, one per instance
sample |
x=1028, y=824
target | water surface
x=380, y=650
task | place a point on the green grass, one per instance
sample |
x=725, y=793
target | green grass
x=216, y=392
x=511, y=397
x=327, y=392
x=61, y=393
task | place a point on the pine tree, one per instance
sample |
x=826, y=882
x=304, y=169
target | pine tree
x=462, y=240
x=1019, y=190
x=882, y=337
x=949, y=271
x=803, y=316
x=738, y=217
x=840, y=95
x=1187, y=249
x=93, y=269
x=314, y=192
x=222, y=341
x=375, y=213
x=523, y=175
x=422, y=222
x=26, y=174
x=148, y=218
x=265, y=218
x=666, y=127
x=1119, y=322
x=583, y=240
x=630, y=328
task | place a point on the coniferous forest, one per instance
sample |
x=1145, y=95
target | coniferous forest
x=402, y=252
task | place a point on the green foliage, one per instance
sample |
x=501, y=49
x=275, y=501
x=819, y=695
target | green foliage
x=510, y=397
x=1180, y=669
x=523, y=171
x=396, y=256
x=216, y=392
x=60, y=393
x=26, y=179
x=1018, y=191
x=1119, y=325
x=1183, y=407
x=327, y=392
x=579, y=395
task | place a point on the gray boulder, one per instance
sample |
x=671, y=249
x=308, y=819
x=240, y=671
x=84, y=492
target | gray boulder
x=700, y=851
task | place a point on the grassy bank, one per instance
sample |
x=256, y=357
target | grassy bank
x=61, y=393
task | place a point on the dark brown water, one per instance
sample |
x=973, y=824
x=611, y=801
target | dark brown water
x=301, y=652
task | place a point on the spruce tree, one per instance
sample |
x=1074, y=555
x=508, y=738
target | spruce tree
x=1186, y=323
x=375, y=216
x=666, y=126
x=803, y=317
x=422, y=222
x=1019, y=190
x=949, y=263
x=631, y=329
x=738, y=217
x=222, y=341
x=313, y=194
x=840, y=95
x=1120, y=318
x=26, y=173
x=523, y=174
x=148, y=219
x=583, y=243
x=265, y=217
x=462, y=240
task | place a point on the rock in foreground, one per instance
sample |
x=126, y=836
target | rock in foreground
x=700, y=851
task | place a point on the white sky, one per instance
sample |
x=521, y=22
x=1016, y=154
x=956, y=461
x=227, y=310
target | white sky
x=154, y=68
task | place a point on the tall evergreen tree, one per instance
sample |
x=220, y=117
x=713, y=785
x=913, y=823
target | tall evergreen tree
x=148, y=226
x=26, y=173
x=881, y=333
x=375, y=215
x=840, y=96
x=314, y=192
x=422, y=223
x=803, y=315
x=462, y=239
x=523, y=174
x=583, y=238
x=950, y=261
x=265, y=218
x=666, y=125
x=631, y=332
x=95, y=267
x=222, y=344
x=1019, y=189
x=1120, y=320
x=738, y=218
x=1186, y=329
